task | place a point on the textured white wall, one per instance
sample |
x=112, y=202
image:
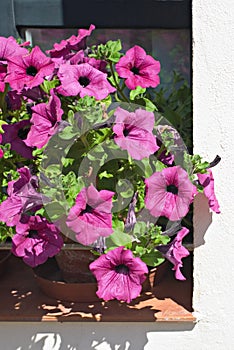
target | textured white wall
x=213, y=45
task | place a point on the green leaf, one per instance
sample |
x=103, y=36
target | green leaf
x=149, y=105
x=154, y=258
x=140, y=229
x=68, y=133
x=159, y=166
x=54, y=210
x=67, y=161
x=119, y=238
x=145, y=166
x=105, y=174
x=138, y=91
x=53, y=170
x=49, y=84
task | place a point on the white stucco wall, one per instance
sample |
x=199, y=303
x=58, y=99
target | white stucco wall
x=213, y=64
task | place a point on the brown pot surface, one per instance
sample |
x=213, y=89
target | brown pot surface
x=51, y=283
x=4, y=256
x=155, y=276
x=74, y=265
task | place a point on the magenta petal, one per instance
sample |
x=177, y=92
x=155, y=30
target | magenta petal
x=45, y=120
x=138, y=68
x=28, y=71
x=83, y=80
x=91, y=216
x=169, y=193
x=133, y=132
x=175, y=252
x=207, y=181
x=35, y=248
x=10, y=210
x=119, y=275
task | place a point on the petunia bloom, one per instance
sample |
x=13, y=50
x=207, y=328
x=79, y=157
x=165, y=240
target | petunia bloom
x=138, y=68
x=175, y=252
x=28, y=71
x=1, y=151
x=36, y=240
x=119, y=275
x=169, y=193
x=133, y=132
x=8, y=49
x=83, y=80
x=15, y=134
x=45, y=121
x=13, y=100
x=91, y=216
x=75, y=43
x=207, y=181
x=22, y=197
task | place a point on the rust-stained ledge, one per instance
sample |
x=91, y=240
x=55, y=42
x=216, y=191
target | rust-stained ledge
x=22, y=300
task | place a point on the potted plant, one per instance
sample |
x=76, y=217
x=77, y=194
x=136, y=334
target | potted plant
x=87, y=158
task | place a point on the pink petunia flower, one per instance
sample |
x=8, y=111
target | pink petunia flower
x=36, y=240
x=3, y=72
x=1, y=151
x=45, y=120
x=169, y=193
x=13, y=100
x=138, y=68
x=35, y=94
x=28, y=71
x=133, y=132
x=8, y=49
x=22, y=197
x=207, y=181
x=75, y=43
x=174, y=252
x=119, y=275
x=91, y=216
x=15, y=134
x=83, y=80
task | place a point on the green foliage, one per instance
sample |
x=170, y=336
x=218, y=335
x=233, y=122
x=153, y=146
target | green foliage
x=148, y=236
x=195, y=164
x=108, y=52
x=175, y=104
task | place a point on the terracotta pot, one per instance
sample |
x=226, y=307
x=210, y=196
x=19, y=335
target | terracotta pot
x=74, y=265
x=155, y=276
x=67, y=277
x=51, y=283
x=4, y=256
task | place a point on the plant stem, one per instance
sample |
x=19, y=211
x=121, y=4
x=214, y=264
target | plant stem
x=116, y=83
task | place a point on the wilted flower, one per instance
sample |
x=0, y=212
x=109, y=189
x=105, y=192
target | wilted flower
x=207, y=181
x=119, y=275
x=74, y=43
x=91, y=216
x=36, y=240
x=169, y=193
x=9, y=48
x=1, y=151
x=15, y=134
x=45, y=120
x=138, y=68
x=133, y=132
x=174, y=252
x=13, y=100
x=22, y=197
